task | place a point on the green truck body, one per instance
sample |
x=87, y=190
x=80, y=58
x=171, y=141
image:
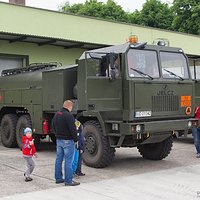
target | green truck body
x=130, y=95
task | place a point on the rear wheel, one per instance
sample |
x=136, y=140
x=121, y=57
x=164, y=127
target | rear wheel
x=23, y=122
x=98, y=152
x=156, y=151
x=8, y=127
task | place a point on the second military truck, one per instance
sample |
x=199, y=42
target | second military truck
x=130, y=95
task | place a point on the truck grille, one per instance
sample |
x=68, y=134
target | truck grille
x=165, y=103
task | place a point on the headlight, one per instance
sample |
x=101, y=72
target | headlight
x=138, y=128
x=189, y=124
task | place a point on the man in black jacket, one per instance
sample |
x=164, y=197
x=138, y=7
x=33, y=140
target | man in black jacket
x=66, y=136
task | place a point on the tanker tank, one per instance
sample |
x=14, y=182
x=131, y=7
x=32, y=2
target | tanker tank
x=26, y=77
x=43, y=84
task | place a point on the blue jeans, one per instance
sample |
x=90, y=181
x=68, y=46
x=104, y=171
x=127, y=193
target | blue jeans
x=196, y=136
x=75, y=161
x=80, y=160
x=65, y=150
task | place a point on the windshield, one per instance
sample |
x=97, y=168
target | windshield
x=174, y=65
x=142, y=63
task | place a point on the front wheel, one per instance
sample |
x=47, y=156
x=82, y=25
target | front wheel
x=98, y=152
x=156, y=151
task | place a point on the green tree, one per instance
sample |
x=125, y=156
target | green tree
x=71, y=9
x=154, y=14
x=135, y=17
x=187, y=16
x=93, y=8
x=114, y=12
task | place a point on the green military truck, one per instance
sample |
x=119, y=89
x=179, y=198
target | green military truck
x=130, y=95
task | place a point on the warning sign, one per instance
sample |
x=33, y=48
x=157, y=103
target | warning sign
x=186, y=101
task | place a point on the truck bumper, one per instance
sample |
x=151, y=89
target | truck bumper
x=151, y=132
x=157, y=126
x=138, y=133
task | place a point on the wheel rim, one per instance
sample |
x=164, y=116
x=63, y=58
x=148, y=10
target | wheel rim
x=91, y=145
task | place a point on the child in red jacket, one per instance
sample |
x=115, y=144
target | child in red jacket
x=28, y=150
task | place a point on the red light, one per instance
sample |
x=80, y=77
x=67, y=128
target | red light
x=45, y=127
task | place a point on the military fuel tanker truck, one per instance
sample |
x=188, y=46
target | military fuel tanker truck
x=130, y=95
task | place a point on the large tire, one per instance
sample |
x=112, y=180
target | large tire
x=156, y=151
x=98, y=152
x=23, y=122
x=8, y=126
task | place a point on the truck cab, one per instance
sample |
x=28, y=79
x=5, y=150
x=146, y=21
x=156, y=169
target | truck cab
x=133, y=95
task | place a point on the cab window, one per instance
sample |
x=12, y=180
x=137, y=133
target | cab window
x=195, y=68
x=141, y=63
x=174, y=65
x=101, y=65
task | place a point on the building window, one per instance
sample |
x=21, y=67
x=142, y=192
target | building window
x=12, y=61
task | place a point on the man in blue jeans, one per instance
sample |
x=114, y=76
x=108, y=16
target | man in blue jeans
x=66, y=136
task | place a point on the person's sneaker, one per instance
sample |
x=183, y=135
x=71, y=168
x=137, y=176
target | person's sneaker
x=75, y=176
x=60, y=181
x=80, y=174
x=27, y=179
x=198, y=155
x=73, y=183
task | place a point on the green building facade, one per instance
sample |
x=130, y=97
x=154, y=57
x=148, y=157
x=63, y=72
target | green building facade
x=31, y=35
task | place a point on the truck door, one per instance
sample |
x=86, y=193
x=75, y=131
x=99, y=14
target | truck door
x=195, y=72
x=104, y=83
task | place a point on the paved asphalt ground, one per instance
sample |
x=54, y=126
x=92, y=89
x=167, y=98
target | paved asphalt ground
x=129, y=177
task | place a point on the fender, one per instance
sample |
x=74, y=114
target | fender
x=93, y=114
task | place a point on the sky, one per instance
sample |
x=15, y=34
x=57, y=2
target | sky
x=127, y=5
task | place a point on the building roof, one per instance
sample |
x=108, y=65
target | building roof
x=122, y=48
x=42, y=40
x=50, y=27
